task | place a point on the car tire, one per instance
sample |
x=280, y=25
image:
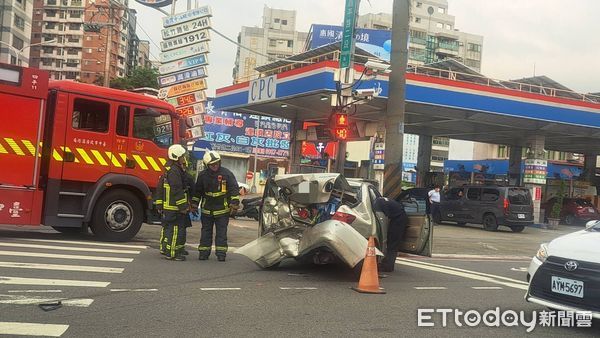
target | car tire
x=517, y=228
x=489, y=222
x=117, y=216
x=570, y=219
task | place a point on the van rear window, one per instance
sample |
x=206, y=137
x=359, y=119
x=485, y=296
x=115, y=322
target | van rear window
x=519, y=196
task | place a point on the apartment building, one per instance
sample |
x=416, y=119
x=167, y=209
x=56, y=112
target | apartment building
x=15, y=31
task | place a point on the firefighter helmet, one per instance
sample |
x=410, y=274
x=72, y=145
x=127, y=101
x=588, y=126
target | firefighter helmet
x=211, y=157
x=176, y=151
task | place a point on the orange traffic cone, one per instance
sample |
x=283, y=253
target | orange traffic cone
x=369, y=278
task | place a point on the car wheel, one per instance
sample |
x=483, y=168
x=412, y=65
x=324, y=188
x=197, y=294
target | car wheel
x=118, y=216
x=489, y=222
x=569, y=219
x=517, y=228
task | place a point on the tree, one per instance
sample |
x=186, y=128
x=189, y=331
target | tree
x=140, y=77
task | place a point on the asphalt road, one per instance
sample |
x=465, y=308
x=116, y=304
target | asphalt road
x=127, y=290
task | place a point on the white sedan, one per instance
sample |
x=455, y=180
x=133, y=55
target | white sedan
x=565, y=273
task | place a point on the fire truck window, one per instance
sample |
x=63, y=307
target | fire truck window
x=90, y=115
x=148, y=126
x=123, y=121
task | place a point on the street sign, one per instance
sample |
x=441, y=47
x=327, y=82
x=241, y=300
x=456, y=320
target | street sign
x=182, y=88
x=347, y=45
x=194, y=109
x=184, y=40
x=200, y=147
x=187, y=16
x=182, y=76
x=186, y=99
x=379, y=156
x=196, y=120
x=154, y=3
x=195, y=133
x=186, y=27
x=175, y=66
x=184, y=52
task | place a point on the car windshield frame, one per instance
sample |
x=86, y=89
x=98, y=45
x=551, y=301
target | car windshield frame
x=516, y=198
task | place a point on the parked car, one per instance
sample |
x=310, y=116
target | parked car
x=491, y=206
x=419, y=195
x=573, y=210
x=325, y=218
x=565, y=273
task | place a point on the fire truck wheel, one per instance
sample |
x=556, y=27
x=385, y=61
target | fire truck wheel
x=118, y=216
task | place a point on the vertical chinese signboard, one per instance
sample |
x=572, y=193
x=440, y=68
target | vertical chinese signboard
x=183, y=70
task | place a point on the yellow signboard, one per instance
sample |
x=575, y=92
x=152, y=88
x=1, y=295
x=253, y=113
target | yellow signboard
x=182, y=88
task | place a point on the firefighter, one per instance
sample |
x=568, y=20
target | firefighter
x=398, y=220
x=175, y=204
x=218, y=191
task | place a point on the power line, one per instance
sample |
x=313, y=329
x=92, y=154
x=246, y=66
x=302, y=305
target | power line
x=253, y=51
x=149, y=38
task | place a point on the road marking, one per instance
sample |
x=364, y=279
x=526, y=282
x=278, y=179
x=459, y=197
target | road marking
x=486, y=288
x=487, y=246
x=469, y=271
x=300, y=288
x=67, y=248
x=34, y=291
x=54, y=282
x=133, y=290
x=80, y=257
x=430, y=288
x=465, y=256
x=32, y=329
x=82, y=268
x=519, y=269
x=220, y=289
x=465, y=274
x=124, y=246
x=25, y=300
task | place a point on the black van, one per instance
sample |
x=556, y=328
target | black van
x=488, y=205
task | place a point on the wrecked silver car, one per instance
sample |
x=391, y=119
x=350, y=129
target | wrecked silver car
x=325, y=218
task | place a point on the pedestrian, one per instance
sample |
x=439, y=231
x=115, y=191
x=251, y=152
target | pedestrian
x=175, y=204
x=398, y=220
x=434, y=200
x=217, y=194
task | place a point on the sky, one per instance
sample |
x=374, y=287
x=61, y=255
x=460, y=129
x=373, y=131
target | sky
x=558, y=39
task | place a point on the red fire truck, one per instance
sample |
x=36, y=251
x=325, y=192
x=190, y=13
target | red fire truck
x=74, y=155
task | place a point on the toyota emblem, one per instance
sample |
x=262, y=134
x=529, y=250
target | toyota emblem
x=571, y=265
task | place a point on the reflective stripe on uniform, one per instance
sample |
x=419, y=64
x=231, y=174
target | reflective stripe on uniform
x=203, y=248
x=215, y=194
x=221, y=248
x=174, y=240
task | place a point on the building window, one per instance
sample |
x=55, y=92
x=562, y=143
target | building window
x=19, y=22
x=51, y=2
x=284, y=22
x=439, y=25
x=90, y=115
x=17, y=43
x=417, y=19
x=419, y=4
x=449, y=27
x=473, y=47
x=50, y=25
x=75, y=14
x=276, y=20
x=290, y=43
x=72, y=51
x=13, y=60
x=88, y=38
x=74, y=26
x=502, y=152
x=89, y=50
x=272, y=43
x=441, y=10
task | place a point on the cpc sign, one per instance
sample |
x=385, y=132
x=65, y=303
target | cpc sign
x=262, y=89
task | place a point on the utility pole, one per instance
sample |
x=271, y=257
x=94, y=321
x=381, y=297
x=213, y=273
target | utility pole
x=394, y=116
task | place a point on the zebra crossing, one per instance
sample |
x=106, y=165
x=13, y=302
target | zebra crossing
x=36, y=272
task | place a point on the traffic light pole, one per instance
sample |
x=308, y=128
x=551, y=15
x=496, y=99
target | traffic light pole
x=394, y=116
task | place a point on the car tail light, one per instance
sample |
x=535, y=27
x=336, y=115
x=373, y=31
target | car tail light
x=303, y=213
x=506, y=205
x=343, y=217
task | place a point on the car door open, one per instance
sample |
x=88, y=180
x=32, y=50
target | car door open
x=418, y=238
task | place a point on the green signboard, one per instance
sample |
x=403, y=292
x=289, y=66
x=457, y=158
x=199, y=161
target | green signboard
x=347, y=45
